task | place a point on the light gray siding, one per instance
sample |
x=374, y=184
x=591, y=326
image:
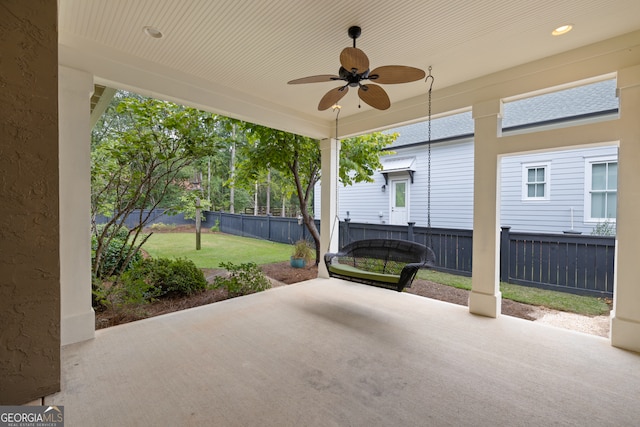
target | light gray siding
x=566, y=191
x=451, y=189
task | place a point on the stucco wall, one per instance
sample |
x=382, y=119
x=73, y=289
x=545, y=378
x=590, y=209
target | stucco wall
x=29, y=232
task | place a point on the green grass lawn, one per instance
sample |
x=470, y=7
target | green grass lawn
x=562, y=301
x=216, y=248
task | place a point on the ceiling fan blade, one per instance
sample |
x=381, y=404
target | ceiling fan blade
x=315, y=79
x=375, y=96
x=352, y=57
x=396, y=74
x=332, y=97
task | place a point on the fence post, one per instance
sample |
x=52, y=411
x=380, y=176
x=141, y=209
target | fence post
x=504, y=254
x=269, y=226
x=410, y=235
x=347, y=238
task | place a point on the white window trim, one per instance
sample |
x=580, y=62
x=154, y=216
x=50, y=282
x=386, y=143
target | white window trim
x=588, y=161
x=547, y=181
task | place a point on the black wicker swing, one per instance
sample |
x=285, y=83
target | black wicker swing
x=386, y=263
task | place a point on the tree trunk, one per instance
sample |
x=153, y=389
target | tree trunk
x=268, y=212
x=311, y=226
x=255, y=200
x=232, y=167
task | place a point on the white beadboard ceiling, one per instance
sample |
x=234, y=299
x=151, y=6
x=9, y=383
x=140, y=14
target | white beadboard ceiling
x=249, y=49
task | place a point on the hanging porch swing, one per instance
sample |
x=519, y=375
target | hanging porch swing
x=386, y=263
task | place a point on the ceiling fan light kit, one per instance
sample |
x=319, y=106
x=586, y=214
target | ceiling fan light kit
x=354, y=70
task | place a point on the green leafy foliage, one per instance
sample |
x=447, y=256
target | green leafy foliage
x=115, y=253
x=297, y=159
x=243, y=279
x=605, y=228
x=165, y=276
x=142, y=151
x=188, y=204
x=360, y=156
x=301, y=249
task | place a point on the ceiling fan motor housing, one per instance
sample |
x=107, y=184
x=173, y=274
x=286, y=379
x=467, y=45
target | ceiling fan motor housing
x=354, y=33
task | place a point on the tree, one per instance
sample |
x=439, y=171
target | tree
x=140, y=152
x=297, y=158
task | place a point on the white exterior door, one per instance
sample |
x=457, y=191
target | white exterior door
x=399, y=202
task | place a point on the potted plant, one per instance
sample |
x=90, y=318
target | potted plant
x=302, y=253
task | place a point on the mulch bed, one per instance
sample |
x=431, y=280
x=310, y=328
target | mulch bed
x=284, y=273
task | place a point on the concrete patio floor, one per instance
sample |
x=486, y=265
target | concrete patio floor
x=333, y=353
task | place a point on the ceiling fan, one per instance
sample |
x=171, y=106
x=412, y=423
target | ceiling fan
x=354, y=70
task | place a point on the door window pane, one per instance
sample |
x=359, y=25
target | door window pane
x=400, y=194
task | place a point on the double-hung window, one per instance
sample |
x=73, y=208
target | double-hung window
x=535, y=181
x=602, y=189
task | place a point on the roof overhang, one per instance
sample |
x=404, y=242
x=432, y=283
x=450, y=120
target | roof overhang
x=398, y=165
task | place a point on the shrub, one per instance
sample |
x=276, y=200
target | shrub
x=160, y=226
x=301, y=249
x=605, y=228
x=114, y=253
x=216, y=227
x=243, y=279
x=132, y=290
x=156, y=277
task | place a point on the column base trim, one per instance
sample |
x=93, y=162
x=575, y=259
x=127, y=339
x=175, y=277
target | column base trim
x=485, y=305
x=81, y=327
x=625, y=333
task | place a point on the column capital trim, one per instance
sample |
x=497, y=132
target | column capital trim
x=75, y=80
x=489, y=108
x=629, y=77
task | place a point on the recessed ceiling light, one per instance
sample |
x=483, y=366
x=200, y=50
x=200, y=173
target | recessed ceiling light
x=153, y=32
x=563, y=29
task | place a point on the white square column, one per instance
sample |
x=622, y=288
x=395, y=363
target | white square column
x=329, y=223
x=74, y=95
x=625, y=318
x=485, y=298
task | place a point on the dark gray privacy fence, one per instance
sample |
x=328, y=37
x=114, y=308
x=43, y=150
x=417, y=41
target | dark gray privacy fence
x=571, y=263
x=562, y=262
x=452, y=247
x=155, y=216
x=273, y=228
x=276, y=229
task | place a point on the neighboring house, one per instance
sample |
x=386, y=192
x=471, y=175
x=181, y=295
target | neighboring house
x=553, y=192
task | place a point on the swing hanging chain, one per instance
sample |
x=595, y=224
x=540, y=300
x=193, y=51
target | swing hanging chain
x=429, y=159
x=336, y=108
